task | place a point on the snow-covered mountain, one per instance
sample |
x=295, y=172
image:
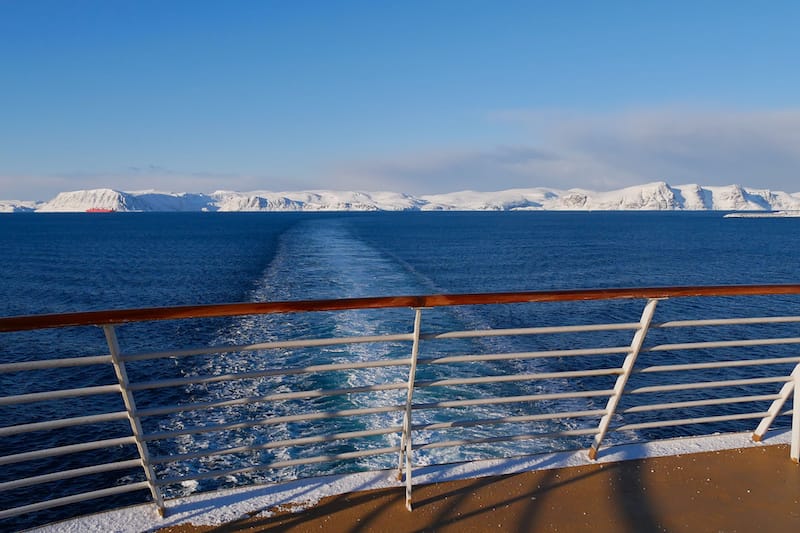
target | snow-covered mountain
x=651, y=196
x=127, y=201
x=17, y=206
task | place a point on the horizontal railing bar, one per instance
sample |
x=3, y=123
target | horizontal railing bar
x=718, y=364
x=517, y=377
x=22, y=323
x=335, y=457
x=274, y=444
x=513, y=399
x=64, y=450
x=193, y=380
x=54, y=363
x=62, y=423
x=708, y=384
x=368, y=411
x=324, y=415
x=300, y=343
x=270, y=397
x=329, y=438
x=721, y=344
x=468, y=334
x=442, y=360
x=279, y=464
x=66, y=500
x=512, y=438
x=522, y=355
x=687, y=421
x=58, y=394
x=66, y=474
x=508, y=420
x=699, y=403
x=726, y=322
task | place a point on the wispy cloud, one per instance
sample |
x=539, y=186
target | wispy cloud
x=447, y=170
x=134, y=178
x=755, y=148
x=549, y=149
x=606, y=151
x=153, y=176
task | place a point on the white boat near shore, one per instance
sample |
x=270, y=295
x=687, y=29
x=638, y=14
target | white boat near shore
x=763, y=214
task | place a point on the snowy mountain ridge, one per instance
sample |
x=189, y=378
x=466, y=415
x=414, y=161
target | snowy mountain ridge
x=652, y=196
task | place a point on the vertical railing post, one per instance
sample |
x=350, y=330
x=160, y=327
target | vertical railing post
x=130, y=407
x=622, y=379
x=405, y=439
x=794, y=450
x=778, y=404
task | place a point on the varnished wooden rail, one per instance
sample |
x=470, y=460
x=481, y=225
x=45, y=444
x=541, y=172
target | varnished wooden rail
x=23, y=323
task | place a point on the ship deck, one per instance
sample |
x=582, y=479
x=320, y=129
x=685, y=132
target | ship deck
x=754, y=489
x=716, y=483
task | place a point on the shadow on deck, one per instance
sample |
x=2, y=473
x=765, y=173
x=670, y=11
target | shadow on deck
x=753, y=489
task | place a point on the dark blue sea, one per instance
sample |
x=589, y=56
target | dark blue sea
x=51, y=263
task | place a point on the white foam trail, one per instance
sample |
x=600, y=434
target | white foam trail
x=322, y=259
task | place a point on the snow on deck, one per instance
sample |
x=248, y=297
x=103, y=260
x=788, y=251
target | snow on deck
x=215, y=508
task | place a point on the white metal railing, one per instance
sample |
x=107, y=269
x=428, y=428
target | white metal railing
x=447, y=398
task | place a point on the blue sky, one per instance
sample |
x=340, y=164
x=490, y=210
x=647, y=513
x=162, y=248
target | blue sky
x=418, y=97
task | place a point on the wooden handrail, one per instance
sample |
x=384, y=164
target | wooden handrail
x=121, y=316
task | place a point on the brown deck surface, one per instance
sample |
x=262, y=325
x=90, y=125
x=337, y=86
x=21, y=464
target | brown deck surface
x=746, y=490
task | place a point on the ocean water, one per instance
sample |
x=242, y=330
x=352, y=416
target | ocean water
x=75, y=262
x=68, y=262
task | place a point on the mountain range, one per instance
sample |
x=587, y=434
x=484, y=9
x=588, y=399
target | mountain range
x=651, y=196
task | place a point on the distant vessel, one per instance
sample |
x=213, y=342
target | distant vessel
x=99, y=210
x=763, y=214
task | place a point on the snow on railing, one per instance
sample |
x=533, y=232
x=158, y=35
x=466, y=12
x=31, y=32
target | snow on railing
x=446, y=394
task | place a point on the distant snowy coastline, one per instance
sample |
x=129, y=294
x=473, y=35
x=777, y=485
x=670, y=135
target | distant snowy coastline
x=657, y=196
